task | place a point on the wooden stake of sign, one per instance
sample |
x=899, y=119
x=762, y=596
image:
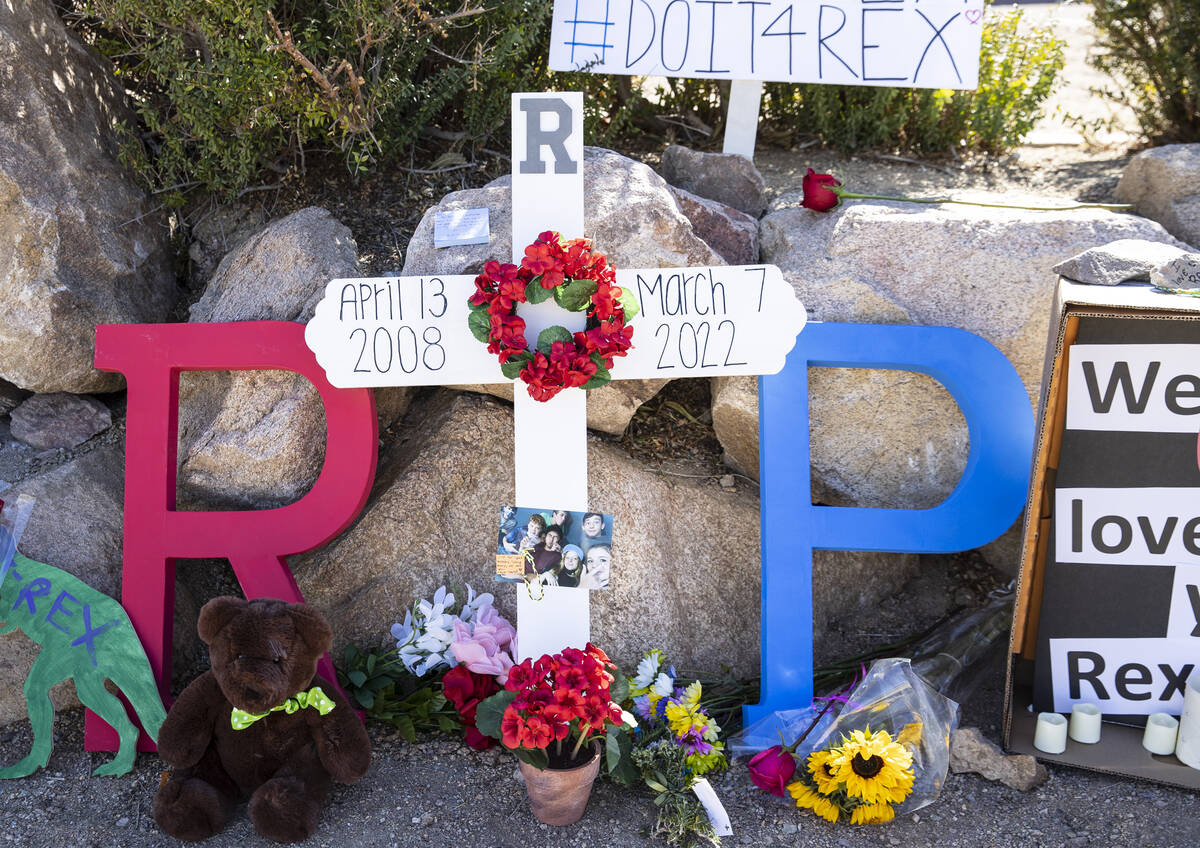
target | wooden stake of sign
x=741, y=119
x=693, y=322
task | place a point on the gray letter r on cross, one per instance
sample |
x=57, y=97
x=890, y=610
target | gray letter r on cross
x=536, y=137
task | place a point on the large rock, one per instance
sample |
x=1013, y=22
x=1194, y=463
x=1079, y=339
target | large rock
x=631, y=216
x=76, y=526
x=686, y=553
x=731, y=233
x=729, y=178
x=896, y=439
x=80, y=243
x=59, y=420
x=279, y=274
x=256, y=439
x=1163, y=183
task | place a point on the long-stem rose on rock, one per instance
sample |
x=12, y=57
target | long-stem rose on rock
x=819, y=195
x=823, y=192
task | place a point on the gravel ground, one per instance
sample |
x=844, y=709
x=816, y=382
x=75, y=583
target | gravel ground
x=438, y=792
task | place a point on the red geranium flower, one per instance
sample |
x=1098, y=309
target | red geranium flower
x=512, y=729
x=595, y=711
x=818, y=195
x=577, y=367
x=544, y=377
x=569, y=364
x=538, y=733
x=519, y=676
x=570, y=699
x=592, y=650
x=509, y=329
x=562, y=698
x=572, y=677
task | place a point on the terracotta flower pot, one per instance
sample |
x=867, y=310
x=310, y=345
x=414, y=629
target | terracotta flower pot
x=559, y=796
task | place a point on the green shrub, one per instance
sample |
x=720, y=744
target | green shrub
x=1017, y=72
x=226, y=89
x=1152, y=49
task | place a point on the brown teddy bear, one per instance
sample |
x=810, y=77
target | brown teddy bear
x=260, y=724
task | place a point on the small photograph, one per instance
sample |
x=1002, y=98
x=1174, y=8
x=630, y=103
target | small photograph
x=554, y=547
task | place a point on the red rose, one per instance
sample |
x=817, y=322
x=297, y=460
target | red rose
x=477, y=740
x=465, y=689
x=771, y=770
x=818, y=195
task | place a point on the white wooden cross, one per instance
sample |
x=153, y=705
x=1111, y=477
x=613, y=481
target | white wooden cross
x=910, y=43
x=694, y=322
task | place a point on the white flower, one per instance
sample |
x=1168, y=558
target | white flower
x=403, y=632
x=443, y=598
x=663, y=685
x=423, y=640
x=474, y=605
x=647, y=670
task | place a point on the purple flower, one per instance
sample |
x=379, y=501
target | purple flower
x=693, y=742
x=641, y=706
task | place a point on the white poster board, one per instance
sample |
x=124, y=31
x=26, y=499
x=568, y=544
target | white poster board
x=693, y=322
x=908, y=43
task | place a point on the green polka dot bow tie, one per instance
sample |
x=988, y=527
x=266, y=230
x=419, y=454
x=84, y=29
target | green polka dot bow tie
x=314, y=697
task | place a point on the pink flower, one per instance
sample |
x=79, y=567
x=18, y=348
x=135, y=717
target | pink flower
x=772, y=769
x=483, y=650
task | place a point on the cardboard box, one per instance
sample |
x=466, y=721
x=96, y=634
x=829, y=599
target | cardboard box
x=1101, y=548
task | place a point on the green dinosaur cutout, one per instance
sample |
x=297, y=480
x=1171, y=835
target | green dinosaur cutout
x=85, y=635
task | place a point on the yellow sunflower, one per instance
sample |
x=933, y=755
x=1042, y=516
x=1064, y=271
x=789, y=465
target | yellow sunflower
x=873, y=768
x=807, y=799
x=820, y=766
x=872, y=814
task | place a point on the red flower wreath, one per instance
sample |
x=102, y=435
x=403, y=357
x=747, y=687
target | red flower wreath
x=577, y=278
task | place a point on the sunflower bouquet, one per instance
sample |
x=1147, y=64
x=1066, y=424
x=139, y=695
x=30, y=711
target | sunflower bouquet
x=887, y=752
x=860, y=779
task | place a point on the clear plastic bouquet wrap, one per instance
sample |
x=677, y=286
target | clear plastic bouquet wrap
x=887, y=752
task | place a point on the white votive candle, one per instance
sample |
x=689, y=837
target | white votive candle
x=1051, y=733
x=1085, y=723
x=1188, y=746
x=1161, y=732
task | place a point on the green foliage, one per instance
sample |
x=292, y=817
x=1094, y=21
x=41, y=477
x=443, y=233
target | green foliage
x=681, y=818
x=228, y=89
x=547, y=337
x=1152, y=49
x=384, y=689
x=491, y=710
x=1017, y=72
